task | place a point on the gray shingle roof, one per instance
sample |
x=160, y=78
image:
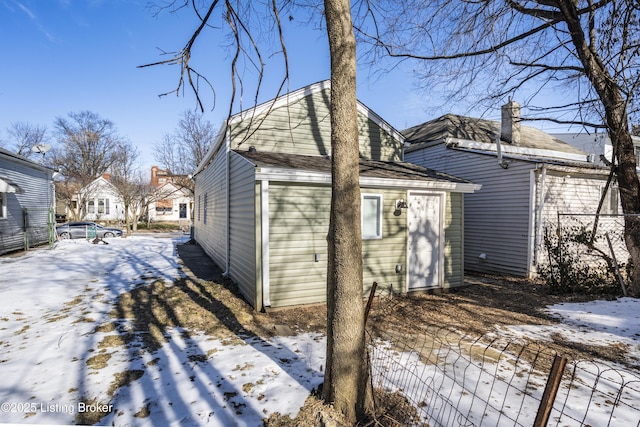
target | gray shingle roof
x=481, y=130
x=368, y=168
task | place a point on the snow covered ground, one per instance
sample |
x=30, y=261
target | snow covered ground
x=53, y=300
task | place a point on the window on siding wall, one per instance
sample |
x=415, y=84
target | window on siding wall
x=610, y=205
x=101, y=206
x=3, y=205
x=91, y=206
x=372, y=216
x=106, y=206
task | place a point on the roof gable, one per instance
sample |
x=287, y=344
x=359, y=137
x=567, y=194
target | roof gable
x=299, y=122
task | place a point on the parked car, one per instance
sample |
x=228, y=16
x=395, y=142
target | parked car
x=85, y=230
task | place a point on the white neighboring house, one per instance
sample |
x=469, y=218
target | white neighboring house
x=102, y=201
x=171, y=203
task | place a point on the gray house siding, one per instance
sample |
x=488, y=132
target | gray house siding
x=35, y=195
x=496, y=218
x=210, y=218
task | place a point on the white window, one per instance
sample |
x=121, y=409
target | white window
x=91, y=207
x=3, y=205
x=100, y=206
x=372, y=216
x=610, y=205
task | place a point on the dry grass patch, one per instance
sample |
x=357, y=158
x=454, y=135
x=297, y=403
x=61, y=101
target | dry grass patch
x=122, y=379
x=99, y=361
x=22, y=330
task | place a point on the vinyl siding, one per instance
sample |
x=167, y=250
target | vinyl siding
x=298, y=226
x=454, y=240
x=574, y=194
x=36, y=195
x=242, y=226
x=211, y=199
x=304, y=127
x=496, y=218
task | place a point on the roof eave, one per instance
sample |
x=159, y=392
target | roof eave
x=316, y=177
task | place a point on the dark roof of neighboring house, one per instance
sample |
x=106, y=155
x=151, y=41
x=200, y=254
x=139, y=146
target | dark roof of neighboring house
x=481, y=130
x=368, y=168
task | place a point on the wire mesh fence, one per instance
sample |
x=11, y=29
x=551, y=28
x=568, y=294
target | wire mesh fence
x=39, y=226
x=585, y=252
x=440, y=377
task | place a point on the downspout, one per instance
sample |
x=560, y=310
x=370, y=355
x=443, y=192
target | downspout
x=264, y=250
x=227, y=145
x=539, y=210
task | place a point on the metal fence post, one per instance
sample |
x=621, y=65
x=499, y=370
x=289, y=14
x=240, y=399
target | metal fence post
x=550, y=391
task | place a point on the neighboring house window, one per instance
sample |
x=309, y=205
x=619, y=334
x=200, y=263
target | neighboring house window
x=183, y=210
x=106, y=206
x=101, y=206
x=164, y=207
x=205, y=208
x=3, y=205
x=610, y=205
x=637, y=151
x=91, y=207
x=199, y=205
x=372, y=216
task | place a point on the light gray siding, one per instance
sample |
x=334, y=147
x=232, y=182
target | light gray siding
x=496, y=218
x=34, y=197
x=303, y=127
x=242, y=227
x=210, y=218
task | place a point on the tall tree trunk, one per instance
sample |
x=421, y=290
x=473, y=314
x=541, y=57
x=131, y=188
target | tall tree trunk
x=618, y=126
x=346, y=373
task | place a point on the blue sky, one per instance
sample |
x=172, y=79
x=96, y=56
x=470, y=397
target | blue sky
x=62, y=56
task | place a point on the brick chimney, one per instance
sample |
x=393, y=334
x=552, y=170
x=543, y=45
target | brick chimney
x=510, y=125
x=107, y=176
x=154, y=176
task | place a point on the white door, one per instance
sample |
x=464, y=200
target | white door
x=424, y=250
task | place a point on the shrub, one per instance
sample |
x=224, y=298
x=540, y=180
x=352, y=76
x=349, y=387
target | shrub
x=576, y=264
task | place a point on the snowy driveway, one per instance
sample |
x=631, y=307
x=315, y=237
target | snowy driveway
x=53, y=364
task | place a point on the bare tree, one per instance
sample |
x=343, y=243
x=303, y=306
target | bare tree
x=87, y=147
x=345, y=380
x=24, y=136
x=181, y=151
x=131, y=186
x=589, y=51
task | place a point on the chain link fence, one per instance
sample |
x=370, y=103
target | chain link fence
x=585, y=253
